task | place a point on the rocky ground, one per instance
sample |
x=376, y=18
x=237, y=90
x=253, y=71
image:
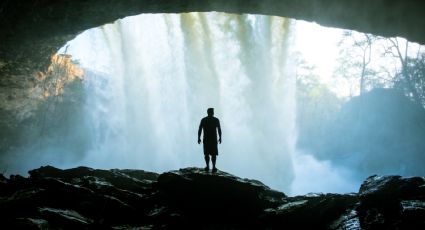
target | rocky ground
x=85, y=198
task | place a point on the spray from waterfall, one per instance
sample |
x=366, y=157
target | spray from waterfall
x=159, y=74
x=149, y=79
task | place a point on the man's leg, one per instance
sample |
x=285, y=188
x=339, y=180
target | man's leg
x=207, y=162
x=213, y=159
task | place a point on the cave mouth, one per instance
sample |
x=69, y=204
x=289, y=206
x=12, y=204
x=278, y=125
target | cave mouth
x=152, y=77
x=148, y=80
x=181, y=64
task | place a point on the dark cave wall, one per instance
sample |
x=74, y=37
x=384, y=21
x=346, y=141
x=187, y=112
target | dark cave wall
x=32, y=30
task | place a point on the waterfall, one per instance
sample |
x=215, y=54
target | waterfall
x=150, y=79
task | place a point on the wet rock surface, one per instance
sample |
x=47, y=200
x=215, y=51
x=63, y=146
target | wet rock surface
x=392, y=202
x=190, y=198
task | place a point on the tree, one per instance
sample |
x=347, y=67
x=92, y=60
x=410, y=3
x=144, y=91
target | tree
x=409, y=71
x=355, y=59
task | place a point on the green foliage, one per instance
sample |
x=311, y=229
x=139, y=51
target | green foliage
x=368, y=62
x=411, y=80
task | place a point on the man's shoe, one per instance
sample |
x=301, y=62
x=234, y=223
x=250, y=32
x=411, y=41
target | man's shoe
x=214, y=170
x=207, y=169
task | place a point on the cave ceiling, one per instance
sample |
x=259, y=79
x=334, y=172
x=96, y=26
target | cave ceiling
x=33, y=30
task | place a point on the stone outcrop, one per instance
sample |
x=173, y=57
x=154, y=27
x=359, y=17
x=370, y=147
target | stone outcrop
x=85, y=198
x=23, y=98
x=217, y=200
x=392, y=202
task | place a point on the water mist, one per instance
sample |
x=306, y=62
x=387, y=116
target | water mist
x=150, y=79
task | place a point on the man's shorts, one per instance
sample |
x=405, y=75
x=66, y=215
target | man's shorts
x=210, y=148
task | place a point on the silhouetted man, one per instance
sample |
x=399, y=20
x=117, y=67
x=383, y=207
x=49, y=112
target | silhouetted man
x=210, y=125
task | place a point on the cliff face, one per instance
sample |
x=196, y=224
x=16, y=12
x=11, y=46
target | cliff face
x=85, y=198
x=23, y=99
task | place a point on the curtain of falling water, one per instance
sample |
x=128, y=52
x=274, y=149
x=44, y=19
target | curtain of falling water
x=150, y=79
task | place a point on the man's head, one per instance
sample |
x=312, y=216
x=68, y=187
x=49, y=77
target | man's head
x=210, y=112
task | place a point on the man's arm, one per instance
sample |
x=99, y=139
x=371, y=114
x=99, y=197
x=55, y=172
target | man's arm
x=199, y=132
x=219, y=131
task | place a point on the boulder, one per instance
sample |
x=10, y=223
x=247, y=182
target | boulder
x=224, y=199
x=392, y=202
x=311, y=211
x=190, y=198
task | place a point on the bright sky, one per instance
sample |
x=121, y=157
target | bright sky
x=318, y=46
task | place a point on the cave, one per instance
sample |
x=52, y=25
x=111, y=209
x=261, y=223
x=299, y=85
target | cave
x=32, y=33
x=35, y=38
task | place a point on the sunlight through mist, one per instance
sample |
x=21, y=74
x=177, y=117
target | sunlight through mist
x=152, y=77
